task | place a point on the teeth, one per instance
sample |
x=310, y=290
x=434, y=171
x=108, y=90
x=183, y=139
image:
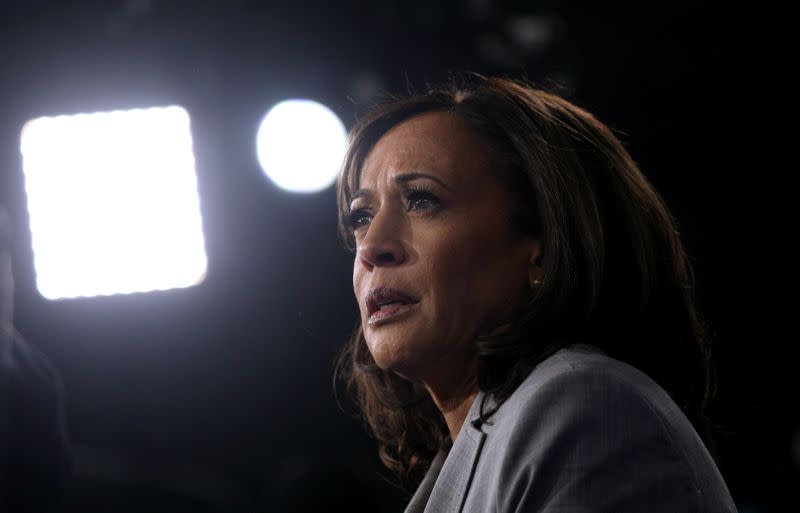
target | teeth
x=390, y=304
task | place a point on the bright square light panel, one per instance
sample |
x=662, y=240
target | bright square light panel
x=113, y=204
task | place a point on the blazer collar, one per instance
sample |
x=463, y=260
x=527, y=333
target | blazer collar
x=446, y=484
x=420, y=498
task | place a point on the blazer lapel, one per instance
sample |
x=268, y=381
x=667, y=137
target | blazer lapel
x=420, y=498
x=453, y=482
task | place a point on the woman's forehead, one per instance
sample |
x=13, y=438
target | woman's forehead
x=437, y=142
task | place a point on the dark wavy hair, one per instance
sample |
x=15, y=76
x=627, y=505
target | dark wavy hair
x=615, y=271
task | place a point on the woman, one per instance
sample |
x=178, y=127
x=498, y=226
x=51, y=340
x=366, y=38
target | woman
x=528, y=338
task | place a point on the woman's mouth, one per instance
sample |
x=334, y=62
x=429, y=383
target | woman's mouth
x=389, y=312
x=386, y=304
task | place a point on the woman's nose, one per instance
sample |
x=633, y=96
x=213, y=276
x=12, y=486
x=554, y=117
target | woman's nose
x=382, y=246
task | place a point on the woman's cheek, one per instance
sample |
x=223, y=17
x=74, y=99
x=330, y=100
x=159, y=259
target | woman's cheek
x=357, y=281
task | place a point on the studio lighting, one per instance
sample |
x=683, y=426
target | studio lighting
x=113, y=202
x=300, y=145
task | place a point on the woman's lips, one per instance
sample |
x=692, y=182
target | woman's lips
x=390, y=313
x=386, y=304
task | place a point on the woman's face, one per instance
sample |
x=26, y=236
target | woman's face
x=437, y=259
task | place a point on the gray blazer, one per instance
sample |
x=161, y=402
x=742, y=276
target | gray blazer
x=583, y=433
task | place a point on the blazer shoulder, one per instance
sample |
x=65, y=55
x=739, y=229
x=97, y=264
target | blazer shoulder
x=584, y=369
x=585, y=423
x=582, y=386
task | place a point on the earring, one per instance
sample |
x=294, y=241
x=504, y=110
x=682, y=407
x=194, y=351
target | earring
x=538, y=263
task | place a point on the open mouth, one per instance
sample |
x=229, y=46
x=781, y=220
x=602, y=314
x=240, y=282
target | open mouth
x=387, y=303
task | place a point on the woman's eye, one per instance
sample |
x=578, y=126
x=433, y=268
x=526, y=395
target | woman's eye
x=358, y=218
x=421, y=200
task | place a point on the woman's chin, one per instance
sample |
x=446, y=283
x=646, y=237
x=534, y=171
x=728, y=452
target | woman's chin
x=391, y=358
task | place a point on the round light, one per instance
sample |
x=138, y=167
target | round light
x=300, y=145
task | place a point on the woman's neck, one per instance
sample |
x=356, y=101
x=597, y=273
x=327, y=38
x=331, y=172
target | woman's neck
x=455, y=404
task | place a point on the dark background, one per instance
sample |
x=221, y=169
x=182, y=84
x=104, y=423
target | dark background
x=220, y=397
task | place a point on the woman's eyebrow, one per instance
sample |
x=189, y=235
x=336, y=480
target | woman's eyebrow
x=407, y=177
x=402, y=178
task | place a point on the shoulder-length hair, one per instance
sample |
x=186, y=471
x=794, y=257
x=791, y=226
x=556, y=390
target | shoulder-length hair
x=615, y=272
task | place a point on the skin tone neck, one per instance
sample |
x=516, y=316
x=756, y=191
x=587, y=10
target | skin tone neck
x=454, y=402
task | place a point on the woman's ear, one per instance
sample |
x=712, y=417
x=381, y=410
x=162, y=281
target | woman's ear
x=535, y=264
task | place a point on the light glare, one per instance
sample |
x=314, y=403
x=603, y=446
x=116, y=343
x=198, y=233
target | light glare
x=300, y=145
x=113, y=203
